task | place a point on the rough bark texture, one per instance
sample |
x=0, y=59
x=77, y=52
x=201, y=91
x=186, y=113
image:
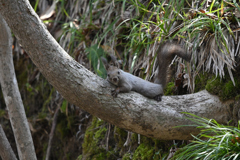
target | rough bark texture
x=79, y=86
x=6, y=151
x=12, y=96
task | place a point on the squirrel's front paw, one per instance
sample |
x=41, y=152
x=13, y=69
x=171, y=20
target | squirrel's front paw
x=158, y=98
x=114, y=93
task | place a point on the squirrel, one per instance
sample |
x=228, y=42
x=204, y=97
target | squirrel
x=127, y=82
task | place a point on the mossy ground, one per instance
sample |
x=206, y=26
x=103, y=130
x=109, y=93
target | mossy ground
x=169, y=90
x=94, y=146
x=224, y=88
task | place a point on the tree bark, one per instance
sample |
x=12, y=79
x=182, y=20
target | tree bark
x=12, y=96
x=6, y=151
x=81, y=87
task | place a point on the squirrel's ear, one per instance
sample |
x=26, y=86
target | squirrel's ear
x=120, y=62
x=115, y=62
x=105, y=63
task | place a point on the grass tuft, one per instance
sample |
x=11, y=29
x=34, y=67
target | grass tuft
x=215, y=141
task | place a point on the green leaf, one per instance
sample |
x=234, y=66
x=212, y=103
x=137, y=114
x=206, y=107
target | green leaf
x=94, y=55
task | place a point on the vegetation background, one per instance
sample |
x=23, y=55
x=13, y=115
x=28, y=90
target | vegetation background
x=132, y=30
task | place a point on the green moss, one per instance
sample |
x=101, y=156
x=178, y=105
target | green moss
x=127, y=156
x=225, y=89
x=2, y=112
x=134, y=138
x=42, y=115
x=100, y=134
x=222, y=87
x=99, y=122
x=237, y=97
x=201, y=81
x=143, y=152
x=79, y=157
x=22, y=77
x=64, y=124
x=147, y=150
x=48, y=98
x=119, y=136
x=64, y=106
x=70, y=121
x=44, y=146
x=93, y=140
x=230, y=90
x=101, y=155
x=214, y=86
x=169, y=90
x=110, y=155
x=68, y=155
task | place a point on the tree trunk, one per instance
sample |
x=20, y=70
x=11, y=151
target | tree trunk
x=81, y=87
x=12, y=96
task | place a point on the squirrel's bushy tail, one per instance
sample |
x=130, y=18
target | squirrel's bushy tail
x=166, y=54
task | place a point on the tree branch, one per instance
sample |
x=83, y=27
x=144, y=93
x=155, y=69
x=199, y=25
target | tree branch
x=81, y=87
x=54, y=124
x=12, y=96
x=6, y=151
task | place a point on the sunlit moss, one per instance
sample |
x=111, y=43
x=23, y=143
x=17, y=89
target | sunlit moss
x=224, y=88
x=169, y=90
x=149, y=148
x=127, y=156
x=79, y=157
x=94, y=135
x=144, y=152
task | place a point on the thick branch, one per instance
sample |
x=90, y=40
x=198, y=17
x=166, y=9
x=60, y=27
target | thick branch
x=12, y=96
x=79, y=86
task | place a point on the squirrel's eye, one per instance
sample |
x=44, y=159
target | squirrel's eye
x=118, y=72
x=108, y=75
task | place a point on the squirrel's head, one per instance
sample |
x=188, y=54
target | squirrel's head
x=113, y=71
x=113, y=75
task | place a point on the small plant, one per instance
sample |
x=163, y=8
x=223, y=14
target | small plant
x=215, y=141
x=209, y=28
x=94, y=54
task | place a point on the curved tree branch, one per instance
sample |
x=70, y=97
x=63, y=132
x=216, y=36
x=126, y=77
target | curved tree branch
x=12, y=96
x=81, y=87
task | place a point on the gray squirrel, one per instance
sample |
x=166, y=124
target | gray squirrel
x=127, y=82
